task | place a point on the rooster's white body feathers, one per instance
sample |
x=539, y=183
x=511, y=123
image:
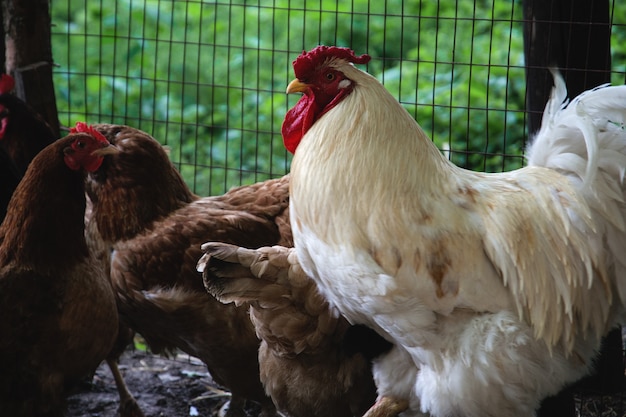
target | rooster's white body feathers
x=495, y=288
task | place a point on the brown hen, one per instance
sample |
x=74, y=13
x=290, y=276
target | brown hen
x=156, y=225
x=58, y=312
x=307, y=366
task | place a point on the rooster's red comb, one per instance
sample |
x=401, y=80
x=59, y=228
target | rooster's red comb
x=85, y=128
x=308, y=61
x=6, y=83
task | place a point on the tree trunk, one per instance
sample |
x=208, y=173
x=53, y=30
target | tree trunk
x=28, y=55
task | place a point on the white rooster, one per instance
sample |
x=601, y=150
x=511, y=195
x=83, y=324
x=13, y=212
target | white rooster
x=495, y=288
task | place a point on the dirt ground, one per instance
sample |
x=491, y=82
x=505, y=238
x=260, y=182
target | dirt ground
x=176, y=387
x=182, y=387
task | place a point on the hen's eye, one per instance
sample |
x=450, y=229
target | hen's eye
x=330, y=76
x=80, y=144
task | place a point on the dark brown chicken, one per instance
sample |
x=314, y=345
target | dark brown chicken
x=306, y=364
x=58, y=312
x=23, y=133
x=143, y=208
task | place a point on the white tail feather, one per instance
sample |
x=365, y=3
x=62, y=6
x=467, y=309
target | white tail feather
x=586, y=140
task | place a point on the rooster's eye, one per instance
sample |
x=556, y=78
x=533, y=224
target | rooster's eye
x=330, y=76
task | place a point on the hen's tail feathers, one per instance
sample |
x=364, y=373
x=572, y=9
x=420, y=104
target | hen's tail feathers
x=235, y=274
x=287, y=310
x=585, y=139
x=269, y=276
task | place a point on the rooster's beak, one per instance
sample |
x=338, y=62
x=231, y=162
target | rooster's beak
x=106, y=150
x=297, y=86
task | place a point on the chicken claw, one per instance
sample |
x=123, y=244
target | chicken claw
x=128, y=404
x=387, y=407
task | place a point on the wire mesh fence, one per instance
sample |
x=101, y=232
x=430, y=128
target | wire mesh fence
x=208, y=78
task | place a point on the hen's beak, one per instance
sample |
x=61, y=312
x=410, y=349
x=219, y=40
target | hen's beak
x=297, y=86
x=109, y=149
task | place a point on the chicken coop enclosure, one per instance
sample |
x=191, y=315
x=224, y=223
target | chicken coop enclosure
x=208, y=78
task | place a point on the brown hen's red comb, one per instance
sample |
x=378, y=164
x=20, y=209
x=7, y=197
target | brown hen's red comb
x=7, y=83
x=85, y=128
x=308, y=61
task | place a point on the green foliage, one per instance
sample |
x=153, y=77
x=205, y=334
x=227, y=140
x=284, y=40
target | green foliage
x=208, y=79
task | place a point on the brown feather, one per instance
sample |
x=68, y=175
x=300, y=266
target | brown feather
x=304, y=366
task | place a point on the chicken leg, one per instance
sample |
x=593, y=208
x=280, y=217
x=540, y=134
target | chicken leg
x=128, y=405
x=387, y=407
